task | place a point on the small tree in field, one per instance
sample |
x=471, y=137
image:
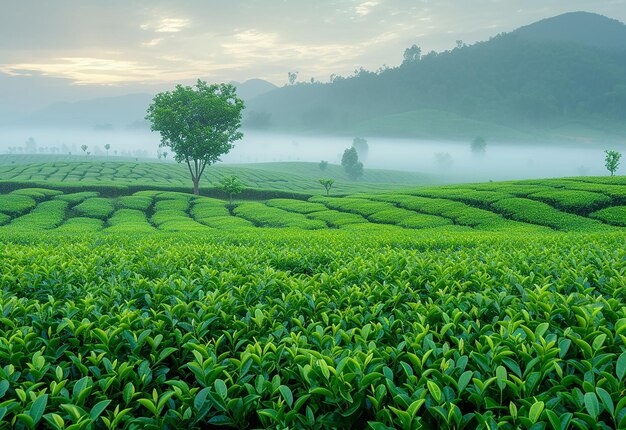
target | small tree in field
x=107, y=147
x=327, y=184
x=611, y=161
x=323, y=165
x=351, y=164
x=84, y=148
x=198, y=124
x=231, y=185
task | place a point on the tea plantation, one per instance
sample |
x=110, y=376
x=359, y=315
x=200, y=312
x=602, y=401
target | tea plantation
x=131, y=304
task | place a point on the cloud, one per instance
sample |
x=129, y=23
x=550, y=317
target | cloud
x=152, y=42
x=86, y=70
x=166, y=25
x=172, y=25
x=366, y=7
x=250, y=46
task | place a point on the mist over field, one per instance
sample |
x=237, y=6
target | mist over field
x=448, y=160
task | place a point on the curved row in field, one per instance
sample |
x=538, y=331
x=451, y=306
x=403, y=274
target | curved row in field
x=286, y=177
x=502, y=207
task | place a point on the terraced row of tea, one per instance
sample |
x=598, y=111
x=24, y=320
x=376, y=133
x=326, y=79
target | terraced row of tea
x=525, y=206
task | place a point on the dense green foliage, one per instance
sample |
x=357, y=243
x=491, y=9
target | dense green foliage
x=332, y=330
x=467, y=306
x=614, y=215
x=575, y=204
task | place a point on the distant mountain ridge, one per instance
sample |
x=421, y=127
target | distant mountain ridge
x=113, y=113
x=581, y=28
x=562, y=77
x=252, y=88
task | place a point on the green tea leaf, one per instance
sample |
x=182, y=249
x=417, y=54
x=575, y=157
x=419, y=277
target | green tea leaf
x=592, y=405
x=464, y=379
x=606, y=399
x=55, y=420
x=38, y=407
x=535, y=411
x=220, y=388
x=598, y=342
x=541, y=329
x=98, y=409
x=198, y=401
x=434, y=390
x=287, y=394
x=370, y=378
x=620, y=367
x=501, y=376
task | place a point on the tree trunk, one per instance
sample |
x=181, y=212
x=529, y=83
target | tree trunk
x=196, y=189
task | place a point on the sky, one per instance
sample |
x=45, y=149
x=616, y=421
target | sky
x=68, y=50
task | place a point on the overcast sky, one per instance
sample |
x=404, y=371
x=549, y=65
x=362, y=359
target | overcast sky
x=76, y=49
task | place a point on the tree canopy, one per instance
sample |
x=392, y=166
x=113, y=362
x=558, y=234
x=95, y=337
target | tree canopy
x=351, y=164
x=231, y=185
x=611, y=161
x=199, y=124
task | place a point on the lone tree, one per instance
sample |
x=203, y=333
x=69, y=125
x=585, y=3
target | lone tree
x=327, y=184
x=323, y=165
x=231, y=185
x=611, y=161
x=84, y=148
x=479, y=145
x=198, y=124
x=351, y=164
x=107, y=147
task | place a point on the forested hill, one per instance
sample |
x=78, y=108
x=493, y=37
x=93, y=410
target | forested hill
x=563, y=77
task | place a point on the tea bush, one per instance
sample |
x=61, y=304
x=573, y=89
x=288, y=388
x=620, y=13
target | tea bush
x=294, y=329
x=95, y=207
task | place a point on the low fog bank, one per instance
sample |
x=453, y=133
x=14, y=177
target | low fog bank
x=130, y=143
x=451, y=161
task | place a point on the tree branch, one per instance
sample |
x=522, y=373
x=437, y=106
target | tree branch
x=203, y=164
x=189, y=165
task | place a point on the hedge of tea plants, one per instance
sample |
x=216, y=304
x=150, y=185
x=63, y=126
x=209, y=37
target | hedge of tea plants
x=282, y=328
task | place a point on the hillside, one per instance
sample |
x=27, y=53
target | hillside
x=150, y=197
x=542, y=80
x=600, y=32
x=295, y=177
